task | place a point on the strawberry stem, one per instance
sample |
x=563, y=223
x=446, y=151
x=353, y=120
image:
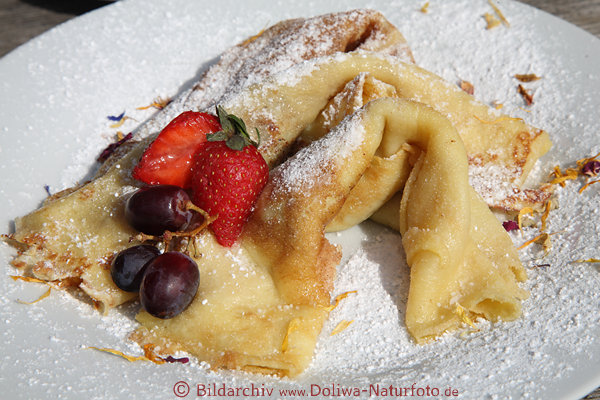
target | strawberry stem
x=233, y=131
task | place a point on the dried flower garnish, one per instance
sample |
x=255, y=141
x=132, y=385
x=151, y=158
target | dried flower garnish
x=26, y=279
x=588, y=260
x=149, y=355
x=292, y=326
x=43, y=296
x=543, y=239
x=425, y=8
x=497, y=120
x=120, y=354
x=158, y=103
x=34, y=280
x=510, y=225
x=584, y=161
x=491, y=21
x=462, y=314
x=337, y=300
x=587, y=167
x=182, y=360
x=523, y=212
x=253, y=38
x=116, y=118
x=343, y=325
x=497, y=105
x=113, y=146
x=545, y=215
x=527, y=77
x=121, y=122
x=560, y=177
x=527, y=96
x=587, y=185
x=591, y=168
x=467, y=87
x=541, y=265
x=498, y=13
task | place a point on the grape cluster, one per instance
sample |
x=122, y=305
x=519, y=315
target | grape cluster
x=167, y=282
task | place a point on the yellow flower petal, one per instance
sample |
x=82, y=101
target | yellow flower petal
x=46, y=294
x=499, y=13
x=462, y=314
x=27, y=279
x=341, y=326
x=524, y=211
x=292, y=326
x=589, y=260
x=337, y=300
x=120, y=354
x=545, y=215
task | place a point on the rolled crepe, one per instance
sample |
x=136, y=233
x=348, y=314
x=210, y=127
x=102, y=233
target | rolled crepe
x=458, y=252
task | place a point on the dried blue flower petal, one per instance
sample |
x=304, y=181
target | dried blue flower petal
x=117, y=118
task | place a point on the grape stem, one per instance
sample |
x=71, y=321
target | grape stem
x=167, y=236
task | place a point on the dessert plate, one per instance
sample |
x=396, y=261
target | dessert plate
x=60, y=88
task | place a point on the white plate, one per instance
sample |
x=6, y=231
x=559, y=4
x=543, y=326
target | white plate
x=58, y=89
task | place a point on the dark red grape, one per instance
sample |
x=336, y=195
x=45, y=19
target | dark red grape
x=127, y=268
x=159, y=208
x=169, y=284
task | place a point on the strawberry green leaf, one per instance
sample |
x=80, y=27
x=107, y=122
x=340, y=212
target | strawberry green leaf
x=217, y=136
x=236, y=143
x=234, y=131
x=226, y=123
x=257, y=142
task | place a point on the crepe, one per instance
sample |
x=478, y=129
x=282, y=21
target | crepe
x=285, y=44
x=264, y=302
x=74, y=236
x=469, y=241
x=261, y=305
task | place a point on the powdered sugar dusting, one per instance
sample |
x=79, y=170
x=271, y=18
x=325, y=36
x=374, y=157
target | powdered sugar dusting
x=280, y=52
x=493, y=182
x=121, y=61
x=310, y=165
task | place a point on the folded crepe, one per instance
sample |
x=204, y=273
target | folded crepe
x=470, y=261
x=377, y=135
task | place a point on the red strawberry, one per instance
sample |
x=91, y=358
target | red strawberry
x=228, y=177
x=168, y=159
